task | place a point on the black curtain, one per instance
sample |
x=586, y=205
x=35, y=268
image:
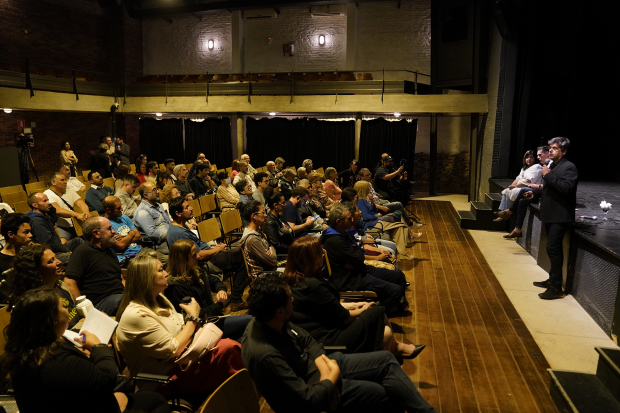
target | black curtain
x=327, y=143
x=395, y=138
x=212, y=137
x=162, y=139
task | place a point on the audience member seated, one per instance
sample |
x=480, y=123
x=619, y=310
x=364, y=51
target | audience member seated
x=279, y=165
x=261, y=256
x=39, y=358
x=125, y=194
x=115, y=164
x=235, y=169
x=245, y=195
x=273, y=175
x=188, y=279
x=222, y=258
x=142, y=172
x=227, y=195
x=303, y=183
x=391, y=183
x=292, y=216
x=73, y=183
x=201, y=159
x=17, y=233
x=182, y=183
x=244, y=176
x=151, y=334
x=42, y=218
x=100, y=162
x=349, y=177
x=151, y=219
x=330, y=186
x=349, y=270
x=262, y=183
x=65, y=201
x=277, y=230
x=162, y=179
x=251, y=171
x=152, y=169
x=314, y=203
x=201, y=184
x=97, y=192
x=35, y=266
x=290, y=368
x=301, y=174
x=122, y=171
x=287, y=183
x=398, y=230
x=94, y=270
x=307, y=164
x=361, y=327
x=67, y=157
x=170, y=165
x=122, y=150
x=319, y=192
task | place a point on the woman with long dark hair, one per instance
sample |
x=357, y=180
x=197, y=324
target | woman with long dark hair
x=531, y=174
x=361, y=327
x=35, y=266
x=68, y=157
x=48, y=371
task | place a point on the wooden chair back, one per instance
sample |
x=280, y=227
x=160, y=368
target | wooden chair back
x=209, y=230
x=21, y=207
x=85, y=175
x=207, y=203
x=5, y=319
x=86, y=185
x=133, y=169
x=80, y=178
x=35, y=187
x=188, y=166
x=109, y=182
x=229, y=170
x=11, y=189
x=320, y=171
x=195, y=204
x=14, y=197
x=329, y=268
x=231, y=220
x=77, y=227
x=235, y=395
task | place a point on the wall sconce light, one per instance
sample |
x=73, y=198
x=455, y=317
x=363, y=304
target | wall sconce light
x=396, y=115
x=272, y=114
x=210, y=44
x=7, y=110
x=158, y=114
x=321, y=40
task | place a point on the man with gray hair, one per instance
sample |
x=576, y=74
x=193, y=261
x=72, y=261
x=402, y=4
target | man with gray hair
x=182, y=183
x=273, y=175
x=94, y=270
x=251, y=171
x=557, y=211
x=65, y=201
x=151, y=219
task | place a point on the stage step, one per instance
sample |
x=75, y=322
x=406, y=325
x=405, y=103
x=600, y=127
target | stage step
x=493, y=200
x=468, y=219
x=480, y=216
x=580, y=392
x=608, y=370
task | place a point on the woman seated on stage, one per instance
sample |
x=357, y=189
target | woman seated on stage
x=35, y=266
x=151, y=334
x=529, y=177
x=398, y=230
x=188, y=279
x=48, y=370
x=361, y=327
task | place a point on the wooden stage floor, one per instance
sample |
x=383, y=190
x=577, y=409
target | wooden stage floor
x=479, y=355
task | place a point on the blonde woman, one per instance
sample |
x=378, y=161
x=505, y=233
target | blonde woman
x=331, y=188
x=151, y=334
x=307, y=165
x=398, y=230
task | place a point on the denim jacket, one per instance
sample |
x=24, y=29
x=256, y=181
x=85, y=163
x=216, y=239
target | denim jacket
x=152, y=222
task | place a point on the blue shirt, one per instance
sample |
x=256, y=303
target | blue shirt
x=123, y=226
x=152, y=222
x=175, y=233
x=94, y=196
x=291, y=214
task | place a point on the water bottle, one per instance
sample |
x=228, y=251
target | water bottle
x=84, y=305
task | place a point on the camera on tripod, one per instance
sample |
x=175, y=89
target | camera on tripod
x=25, y=139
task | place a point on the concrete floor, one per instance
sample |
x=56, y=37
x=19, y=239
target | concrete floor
x=564, y=331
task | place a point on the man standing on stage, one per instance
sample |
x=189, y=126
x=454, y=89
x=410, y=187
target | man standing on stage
x=557, y=211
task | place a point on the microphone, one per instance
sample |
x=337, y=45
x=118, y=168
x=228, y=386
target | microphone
x=587, y=217
x=548, y=162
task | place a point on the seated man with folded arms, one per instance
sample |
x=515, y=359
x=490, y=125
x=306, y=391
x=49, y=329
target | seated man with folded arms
x=96, y=192
x=273, y=175
x=182, y=183
x=42, y=219
x=65, y=201
x=94, y=270
x=72, y=182
x=17, y=233
x=292, y=372
x=125, y=194
x=219, y=256
x=287, y=183
x=260, y=254
x=126, y=245
x=151, y=219
x=227, y=195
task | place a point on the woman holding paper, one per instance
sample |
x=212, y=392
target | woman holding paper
x=151, y=335
x=49, y=372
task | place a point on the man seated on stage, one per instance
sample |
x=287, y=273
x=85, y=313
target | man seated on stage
x=125, y=194
x=151, y=219
x=96, y=192
x=17, y=233
x=287, y=183
x=221, y=257
x=349, y=271
x=65, y=201
x=73, y=183
x=292, y=372
x=390, y=183
x=272, y=174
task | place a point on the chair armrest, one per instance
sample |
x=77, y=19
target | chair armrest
x=333, y=349
x=157, y=378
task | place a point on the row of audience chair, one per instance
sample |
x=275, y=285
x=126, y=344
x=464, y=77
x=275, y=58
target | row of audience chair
x=256, y=78
x=46, y=71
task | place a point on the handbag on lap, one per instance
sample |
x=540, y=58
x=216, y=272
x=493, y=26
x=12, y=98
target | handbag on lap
x=205, y=340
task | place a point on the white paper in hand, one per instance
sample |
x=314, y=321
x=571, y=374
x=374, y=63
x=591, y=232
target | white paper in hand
x=100, y=325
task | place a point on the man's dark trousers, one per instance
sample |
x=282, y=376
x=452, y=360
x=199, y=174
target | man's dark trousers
x=555, y=237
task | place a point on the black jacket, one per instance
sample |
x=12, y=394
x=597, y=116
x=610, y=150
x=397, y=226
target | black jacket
x=271, y=229
x=559, y=193
x=346, y=261
x=101, y=163
x=347, y=178
x=199, y=187
x=124, y=154
x=44, y=231
x=178, y=289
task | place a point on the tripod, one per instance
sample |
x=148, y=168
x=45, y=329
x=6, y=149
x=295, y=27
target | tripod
x=25, y=163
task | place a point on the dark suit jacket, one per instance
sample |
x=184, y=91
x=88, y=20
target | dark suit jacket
x=559, y=193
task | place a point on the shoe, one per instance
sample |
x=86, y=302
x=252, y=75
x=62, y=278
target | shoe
x=414, y=235
x=407, y=284
x=416, y=225
x=415, y=353
x=542, y=284
x=504, y=214
x=241, y=305
x=405, y=257
x=514, y=234
x=552, y=294
x=499, y=219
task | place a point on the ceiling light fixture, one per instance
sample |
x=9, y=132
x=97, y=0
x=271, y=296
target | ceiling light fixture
x=321, y=40
x=272, y=114
x=396, y=114
x=158, y=114
x=7, y=110
x=210, y=44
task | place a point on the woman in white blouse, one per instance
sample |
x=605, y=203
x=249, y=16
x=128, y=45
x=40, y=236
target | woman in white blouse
x=531, y=174
x=151, y=335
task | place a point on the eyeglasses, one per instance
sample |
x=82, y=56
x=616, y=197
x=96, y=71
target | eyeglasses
x=259, y=213
x=154, y=191
x=108, y=228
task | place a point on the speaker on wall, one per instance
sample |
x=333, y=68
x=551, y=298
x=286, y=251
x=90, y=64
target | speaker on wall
x=10, y=167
